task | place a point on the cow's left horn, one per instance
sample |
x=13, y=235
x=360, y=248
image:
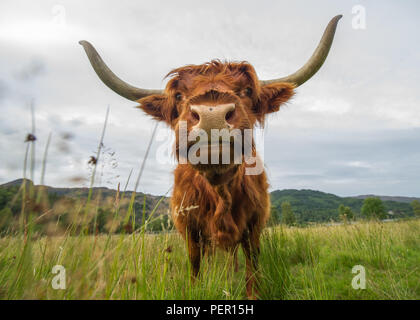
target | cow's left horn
x=111, y=80
x=315, y=62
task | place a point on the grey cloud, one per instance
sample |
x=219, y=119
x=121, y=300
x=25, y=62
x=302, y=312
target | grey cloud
x=32, y=70
x=385, y=156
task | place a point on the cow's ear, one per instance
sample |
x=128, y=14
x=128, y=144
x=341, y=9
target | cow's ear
x=272, y=97
x=159, y=107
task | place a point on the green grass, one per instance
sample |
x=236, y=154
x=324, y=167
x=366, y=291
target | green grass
x=295, y=263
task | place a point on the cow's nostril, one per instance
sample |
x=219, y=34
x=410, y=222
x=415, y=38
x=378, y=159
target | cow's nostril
x=229, y=115
x=195, y=115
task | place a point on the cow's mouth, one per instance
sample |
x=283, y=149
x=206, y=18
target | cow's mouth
x=214, y=157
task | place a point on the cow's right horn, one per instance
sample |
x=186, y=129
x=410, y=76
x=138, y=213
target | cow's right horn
x=111, y=80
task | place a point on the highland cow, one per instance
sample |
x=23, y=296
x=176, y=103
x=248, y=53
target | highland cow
x=217, y=203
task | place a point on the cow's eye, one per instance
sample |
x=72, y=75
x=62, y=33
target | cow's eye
x=178, y=96
x=248, y=92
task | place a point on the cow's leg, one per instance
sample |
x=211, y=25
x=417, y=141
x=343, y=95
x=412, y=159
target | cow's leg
x=209, y=251
x=195, y=257
x=195, y=251
x=251, y=248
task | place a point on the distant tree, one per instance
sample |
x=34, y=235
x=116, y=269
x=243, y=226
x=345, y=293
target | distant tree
x=287, y=215
x=274, y=216
x=345, y=213
x=415, y=204
x=373, y=208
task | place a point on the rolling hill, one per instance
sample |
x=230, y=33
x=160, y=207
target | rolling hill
x=317, y=206
x=308, y=205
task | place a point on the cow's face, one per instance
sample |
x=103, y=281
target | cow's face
x=217, y=100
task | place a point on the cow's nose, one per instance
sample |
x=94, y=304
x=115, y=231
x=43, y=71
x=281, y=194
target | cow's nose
x=213, y=117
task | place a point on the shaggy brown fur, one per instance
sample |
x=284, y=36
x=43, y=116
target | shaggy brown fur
x=215, y=204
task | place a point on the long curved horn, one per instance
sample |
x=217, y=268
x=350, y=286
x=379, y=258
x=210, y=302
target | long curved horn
x=316, y=61
x=111, y=80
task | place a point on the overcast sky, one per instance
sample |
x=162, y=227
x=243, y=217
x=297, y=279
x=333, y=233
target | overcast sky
x=354, y=128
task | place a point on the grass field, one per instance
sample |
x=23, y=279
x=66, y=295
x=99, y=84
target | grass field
x=295, y=263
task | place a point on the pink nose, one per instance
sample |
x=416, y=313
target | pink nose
x=213, y=117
